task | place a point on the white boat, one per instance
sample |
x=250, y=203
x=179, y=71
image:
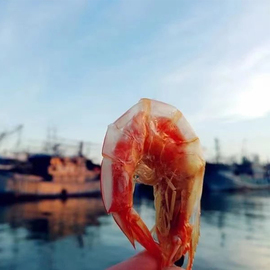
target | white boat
x=247, y=175
x=64, y=177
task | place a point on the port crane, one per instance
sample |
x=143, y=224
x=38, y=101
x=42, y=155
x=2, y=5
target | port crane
x=5, y=134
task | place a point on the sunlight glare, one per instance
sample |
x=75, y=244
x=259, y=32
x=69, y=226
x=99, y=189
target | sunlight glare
x=254, y=101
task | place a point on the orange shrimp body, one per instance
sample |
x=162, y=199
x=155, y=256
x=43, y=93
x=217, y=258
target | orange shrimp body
x=153, y=144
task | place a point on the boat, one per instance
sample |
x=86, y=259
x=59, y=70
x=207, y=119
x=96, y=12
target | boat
x=245, y=176
x=221, y=177
x=50, y=176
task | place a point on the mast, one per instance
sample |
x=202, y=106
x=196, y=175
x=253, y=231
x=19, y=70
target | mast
x=80, y=152
x=244, y=150
x=217, y=149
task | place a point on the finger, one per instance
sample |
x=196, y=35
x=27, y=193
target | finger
x=142, y=261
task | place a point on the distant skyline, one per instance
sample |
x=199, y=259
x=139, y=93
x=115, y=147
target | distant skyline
x=79, y=65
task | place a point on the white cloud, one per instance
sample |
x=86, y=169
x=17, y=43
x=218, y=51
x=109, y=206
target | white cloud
x=225, y=86
x=254, y=101
x=256, y=58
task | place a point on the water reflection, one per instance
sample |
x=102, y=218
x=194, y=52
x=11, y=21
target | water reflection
x=77, y=234
x=235, y=231
x=53, y=219
x=28, y=228
x=249, y=207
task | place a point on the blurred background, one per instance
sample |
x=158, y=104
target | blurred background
x=70, y=68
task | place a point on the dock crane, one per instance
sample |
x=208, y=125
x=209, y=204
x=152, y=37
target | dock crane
x=17, y=129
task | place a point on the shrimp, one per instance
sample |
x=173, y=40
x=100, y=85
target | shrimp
x=153, y=144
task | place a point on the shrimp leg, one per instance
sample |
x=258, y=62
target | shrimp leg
x=135, y=229
x=121, y=208
x=176, y=239
x=121, y=152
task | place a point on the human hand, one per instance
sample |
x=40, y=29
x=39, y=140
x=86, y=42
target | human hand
x=142, y=261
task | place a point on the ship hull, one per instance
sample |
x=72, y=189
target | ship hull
x=225, y=180
x=23, y=186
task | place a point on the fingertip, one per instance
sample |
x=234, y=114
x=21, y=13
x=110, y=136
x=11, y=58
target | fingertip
x=142, y=261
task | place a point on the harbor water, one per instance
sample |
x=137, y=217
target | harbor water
x=77, y=234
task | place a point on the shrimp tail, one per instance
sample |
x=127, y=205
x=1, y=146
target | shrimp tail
x=134, y=228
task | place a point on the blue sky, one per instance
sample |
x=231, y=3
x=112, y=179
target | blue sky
x=78, y=65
